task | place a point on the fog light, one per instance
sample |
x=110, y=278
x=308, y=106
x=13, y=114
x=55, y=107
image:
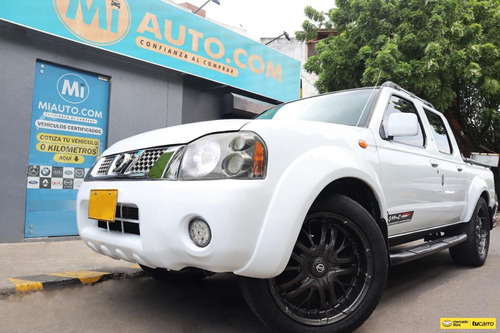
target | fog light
x=199, y=232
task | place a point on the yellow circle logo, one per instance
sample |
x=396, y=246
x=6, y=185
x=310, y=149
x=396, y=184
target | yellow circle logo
x=100, y=22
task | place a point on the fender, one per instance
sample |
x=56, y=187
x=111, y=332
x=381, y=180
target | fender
x=477, y=187
x=294, y=194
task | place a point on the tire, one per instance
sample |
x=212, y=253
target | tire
x=334, y=278
x=474, y=250
x=185, y=275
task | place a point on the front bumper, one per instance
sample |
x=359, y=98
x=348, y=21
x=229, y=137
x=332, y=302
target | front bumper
x=234, y=209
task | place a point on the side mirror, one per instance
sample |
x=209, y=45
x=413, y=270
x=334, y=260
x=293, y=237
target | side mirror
x=402, y=124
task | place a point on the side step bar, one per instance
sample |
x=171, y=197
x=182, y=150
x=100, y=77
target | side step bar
x=423, y=250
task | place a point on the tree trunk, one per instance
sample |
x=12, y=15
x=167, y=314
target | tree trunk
x=465, y=143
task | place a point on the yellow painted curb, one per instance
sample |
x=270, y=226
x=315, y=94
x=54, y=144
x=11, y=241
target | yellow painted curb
x=85, y=277
x=25, y=285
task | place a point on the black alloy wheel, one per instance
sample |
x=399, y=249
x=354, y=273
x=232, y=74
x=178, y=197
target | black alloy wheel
x=334, y=278
x=329, y=273
x=474, y=250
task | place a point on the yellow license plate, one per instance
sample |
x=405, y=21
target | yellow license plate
x=102, y=205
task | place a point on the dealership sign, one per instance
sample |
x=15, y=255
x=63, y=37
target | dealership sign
x=69, y=121
x=161, y=33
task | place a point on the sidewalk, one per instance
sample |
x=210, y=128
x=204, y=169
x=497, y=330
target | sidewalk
x=31, y=266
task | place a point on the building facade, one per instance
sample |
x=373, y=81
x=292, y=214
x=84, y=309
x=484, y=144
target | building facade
x=77, y=76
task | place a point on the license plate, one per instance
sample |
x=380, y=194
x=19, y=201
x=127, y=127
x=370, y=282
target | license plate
x=102, y=205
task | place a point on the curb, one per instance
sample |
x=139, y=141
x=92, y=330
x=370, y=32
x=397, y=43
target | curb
x=27, y=284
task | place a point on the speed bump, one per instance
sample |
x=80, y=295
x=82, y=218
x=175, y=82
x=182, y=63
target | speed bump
x=85, y=277
x=24, y=284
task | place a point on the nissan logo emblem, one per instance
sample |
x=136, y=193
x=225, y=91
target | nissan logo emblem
x=320, y=268
x=122, y=162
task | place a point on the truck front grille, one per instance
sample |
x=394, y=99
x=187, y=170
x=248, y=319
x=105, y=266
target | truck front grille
x=134, y=164
x=145, y=161
x=126, y=220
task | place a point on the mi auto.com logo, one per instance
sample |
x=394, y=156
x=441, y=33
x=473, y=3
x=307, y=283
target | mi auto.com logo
x=99, y=22
x=73, y=88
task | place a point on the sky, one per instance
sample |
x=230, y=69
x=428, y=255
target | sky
x=262, y=18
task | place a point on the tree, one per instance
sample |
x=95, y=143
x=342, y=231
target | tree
x=446, y=51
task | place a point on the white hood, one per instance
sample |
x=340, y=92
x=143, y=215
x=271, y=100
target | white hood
x=175, y=135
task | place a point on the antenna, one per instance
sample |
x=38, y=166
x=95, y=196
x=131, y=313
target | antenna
x=369, y=97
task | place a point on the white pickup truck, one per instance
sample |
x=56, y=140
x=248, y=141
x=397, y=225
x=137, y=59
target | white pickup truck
x=306, y=203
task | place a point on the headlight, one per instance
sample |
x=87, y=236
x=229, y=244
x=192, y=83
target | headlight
x=201, y=158
x=240, y=155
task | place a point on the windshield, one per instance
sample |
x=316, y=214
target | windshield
x=350, y=107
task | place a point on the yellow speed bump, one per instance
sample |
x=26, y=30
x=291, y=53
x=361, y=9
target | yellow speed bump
x=25, y=285
x=85, y=277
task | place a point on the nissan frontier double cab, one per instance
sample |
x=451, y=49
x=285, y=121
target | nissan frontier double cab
x=305, y=203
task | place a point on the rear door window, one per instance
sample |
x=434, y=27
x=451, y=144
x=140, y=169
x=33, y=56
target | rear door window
x=439, y=132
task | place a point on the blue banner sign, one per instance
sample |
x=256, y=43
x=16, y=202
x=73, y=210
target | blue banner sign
x=68, y=131
x=163, y=34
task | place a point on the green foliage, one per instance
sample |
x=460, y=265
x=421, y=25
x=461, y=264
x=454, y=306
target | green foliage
x=447, y=51
x=309, y=31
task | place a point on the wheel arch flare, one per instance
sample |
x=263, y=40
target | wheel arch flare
x=300, y=185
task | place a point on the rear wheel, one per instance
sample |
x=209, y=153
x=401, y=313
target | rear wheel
x=334, y=278
x=186, y=275
x=474, y=250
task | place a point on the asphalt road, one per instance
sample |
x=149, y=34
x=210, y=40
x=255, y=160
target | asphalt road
x=417, y=295
x=421, y=292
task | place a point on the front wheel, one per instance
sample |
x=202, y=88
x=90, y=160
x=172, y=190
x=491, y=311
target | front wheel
x=474, y=250
x=334, y=278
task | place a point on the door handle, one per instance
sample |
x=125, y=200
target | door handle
x=434, y=164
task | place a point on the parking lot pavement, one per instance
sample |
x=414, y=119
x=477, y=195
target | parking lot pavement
x=32, y=266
